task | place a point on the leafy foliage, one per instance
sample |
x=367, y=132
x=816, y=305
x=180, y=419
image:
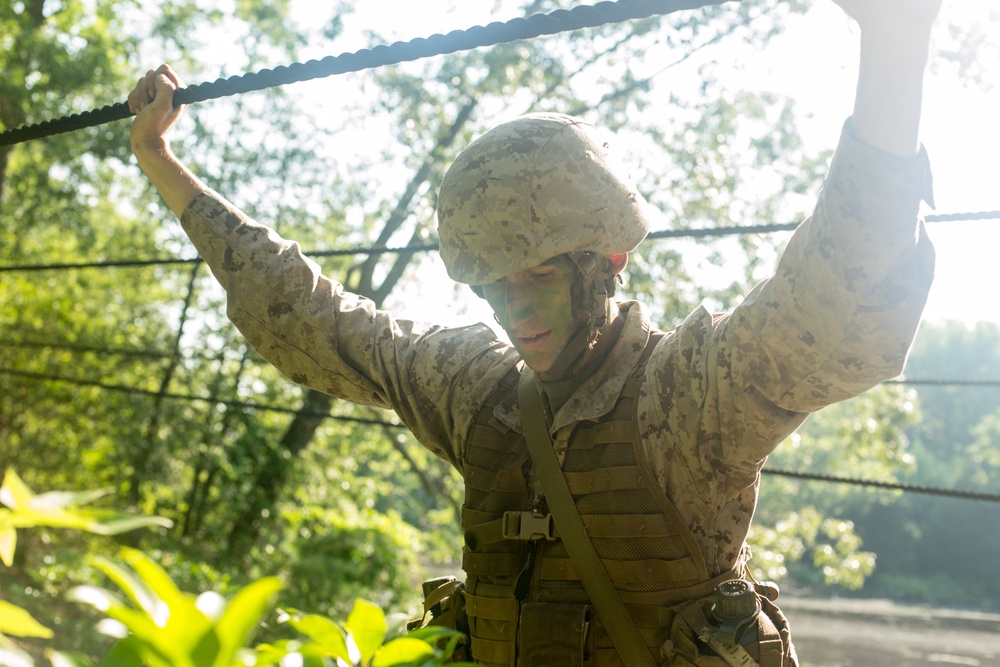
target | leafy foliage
x=931, y=548
x=57, y=509
x=807, y=531
x=170, y=628
x=366, y=639
x=162, y=626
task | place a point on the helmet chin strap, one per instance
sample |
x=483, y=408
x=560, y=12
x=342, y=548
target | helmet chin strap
x=593, y=301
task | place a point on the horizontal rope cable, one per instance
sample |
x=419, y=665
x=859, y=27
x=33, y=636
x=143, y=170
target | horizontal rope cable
x=104, y=350
x=974, y=215
x=896, y=486
x=536, y=25
x=42, y=377
x=159, y=356
x=703, y=232
x=926, y=382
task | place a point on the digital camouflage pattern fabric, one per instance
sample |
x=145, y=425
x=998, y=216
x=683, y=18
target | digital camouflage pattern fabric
x=718, y=392
x=533, y=188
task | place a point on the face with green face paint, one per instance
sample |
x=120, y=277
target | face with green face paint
x=535, y=308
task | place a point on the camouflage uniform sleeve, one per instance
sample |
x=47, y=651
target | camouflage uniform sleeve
x=336, y=342
x=841, y=311
x=837, y=317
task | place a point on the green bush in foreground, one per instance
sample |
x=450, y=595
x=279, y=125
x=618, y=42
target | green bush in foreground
x=159, y=625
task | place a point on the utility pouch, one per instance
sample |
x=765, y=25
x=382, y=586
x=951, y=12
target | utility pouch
x=444, y=602
x=703, y=635
x=552, y=633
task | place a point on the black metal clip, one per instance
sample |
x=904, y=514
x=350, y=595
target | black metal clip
x=527, y=525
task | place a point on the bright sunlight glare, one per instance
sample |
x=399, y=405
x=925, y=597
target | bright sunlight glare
x=815, y=63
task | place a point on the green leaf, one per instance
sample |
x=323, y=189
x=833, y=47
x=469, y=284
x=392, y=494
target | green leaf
x=100, y=522
x=208, y=653
x=186, y=630
x=434, y=633
x=314, y=656
x=128, y=582
x=150, y=641
x=98, y=598
x=8, y=542
x=62, y=659
x=14, y=493
x=153, y=576
x=28, y=517
x=367, y=625
x=126, y=653
x=402, y=651
x=271, y=654
x=55, y=509
x=244, y=613
x=18, y=622
x=103, y=522
x=140, y=625
x=64, y=499
x=324, y=632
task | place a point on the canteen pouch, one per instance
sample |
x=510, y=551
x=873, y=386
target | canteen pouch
x=767, y=640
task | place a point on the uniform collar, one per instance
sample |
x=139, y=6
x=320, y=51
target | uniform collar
x=597, y=395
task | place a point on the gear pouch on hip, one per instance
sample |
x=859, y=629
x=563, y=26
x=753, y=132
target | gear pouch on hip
x=552, y=633
x=444, y=601
x=765, y=643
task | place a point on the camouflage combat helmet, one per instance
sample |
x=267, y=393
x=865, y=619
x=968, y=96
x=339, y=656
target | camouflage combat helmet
x=529, y=190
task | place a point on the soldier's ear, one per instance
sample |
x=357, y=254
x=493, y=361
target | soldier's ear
x=617, y=263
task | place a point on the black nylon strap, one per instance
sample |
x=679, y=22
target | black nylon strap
x=619, y=626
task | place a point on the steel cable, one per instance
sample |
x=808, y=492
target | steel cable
x=536, y=25
x=896, y=486
x=77, y=348
x=899, y=486
x=156, y=355
x=703, y=232
x=139, y=391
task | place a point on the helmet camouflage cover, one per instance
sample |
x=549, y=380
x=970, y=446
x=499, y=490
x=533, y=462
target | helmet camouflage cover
x=531, y=189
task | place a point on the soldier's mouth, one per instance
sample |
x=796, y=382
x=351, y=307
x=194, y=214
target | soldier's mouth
x=531, y=342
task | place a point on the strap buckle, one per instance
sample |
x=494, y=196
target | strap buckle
x=527, y=525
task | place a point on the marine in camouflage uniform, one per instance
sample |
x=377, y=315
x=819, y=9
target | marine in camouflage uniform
x=661, y=435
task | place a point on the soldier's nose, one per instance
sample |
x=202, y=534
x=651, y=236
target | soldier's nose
x=519, y=306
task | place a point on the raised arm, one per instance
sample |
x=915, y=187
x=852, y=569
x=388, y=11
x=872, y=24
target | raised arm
x=152, y=102
x=895, y=36
x=303, y=322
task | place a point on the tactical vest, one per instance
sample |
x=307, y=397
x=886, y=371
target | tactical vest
x=650, y=553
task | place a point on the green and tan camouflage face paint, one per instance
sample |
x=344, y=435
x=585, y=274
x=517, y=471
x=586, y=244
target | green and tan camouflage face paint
x=535, y=308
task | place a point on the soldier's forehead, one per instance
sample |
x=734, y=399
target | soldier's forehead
x=561, y=261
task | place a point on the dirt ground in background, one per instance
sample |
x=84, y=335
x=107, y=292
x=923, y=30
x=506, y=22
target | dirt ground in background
x=879, y=633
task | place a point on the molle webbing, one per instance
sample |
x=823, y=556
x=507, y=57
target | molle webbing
x=649, y=553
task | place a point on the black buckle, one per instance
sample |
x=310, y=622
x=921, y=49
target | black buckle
x=527, y=525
